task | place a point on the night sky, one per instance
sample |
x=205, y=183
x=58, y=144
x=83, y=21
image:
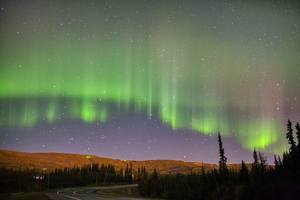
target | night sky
x=149, y=79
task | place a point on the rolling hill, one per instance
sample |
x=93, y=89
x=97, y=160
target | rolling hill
x=50, y=161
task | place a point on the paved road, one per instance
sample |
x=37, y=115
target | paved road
x=86, y=193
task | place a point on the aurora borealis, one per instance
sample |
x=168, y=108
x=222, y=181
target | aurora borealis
x=188, y=68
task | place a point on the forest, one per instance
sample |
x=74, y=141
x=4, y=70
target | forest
x=12, y=181
x=259, y=181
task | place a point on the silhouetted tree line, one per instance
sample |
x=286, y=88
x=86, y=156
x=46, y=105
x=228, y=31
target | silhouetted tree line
x=259, y=182
x=22, y=180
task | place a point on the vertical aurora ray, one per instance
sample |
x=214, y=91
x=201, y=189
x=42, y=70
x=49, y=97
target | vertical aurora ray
x=206, y=70
x=88, y=111
x=149, y=93
x=262, y=134
x=51, y=112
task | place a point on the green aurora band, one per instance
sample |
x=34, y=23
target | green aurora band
x=181, y=70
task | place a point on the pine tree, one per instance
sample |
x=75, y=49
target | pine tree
x=279, y=161
x=244, y=178
x=255, y=163
x=139, y=174
x=155, y=174
x=254, y=168
x=202, y=170
x=263, y=162
x=285, y=159
x=223, y=159
x=126, y=173
x=130, y=173
x=298, y=136
x=145, y=174
x=290, y=137
x=298, y=146
x=121, y=175
x=276, y=162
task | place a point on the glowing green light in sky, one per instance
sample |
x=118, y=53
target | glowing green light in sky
x=193, y=73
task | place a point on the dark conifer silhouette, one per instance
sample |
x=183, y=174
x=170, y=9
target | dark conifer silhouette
x=276, y=162
x=262, y=182
x=290, y=137
x=244, y=176
x=298, y=136
x=223, y=159
x=255, y=157
x=263, y=162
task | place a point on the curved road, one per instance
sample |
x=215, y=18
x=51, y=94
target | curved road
x=87, y=193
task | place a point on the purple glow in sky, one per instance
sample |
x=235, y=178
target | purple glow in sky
x=149, y=79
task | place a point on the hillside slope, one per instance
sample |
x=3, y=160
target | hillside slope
x=50, y=161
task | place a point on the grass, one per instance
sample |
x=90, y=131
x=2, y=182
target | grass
x=120, y=192
x=25, y=196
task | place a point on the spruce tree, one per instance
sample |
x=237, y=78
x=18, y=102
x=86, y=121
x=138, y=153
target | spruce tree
x=202, y=170
x=121, y=175
x=139, y=174
x=276, y=162
x=279, y=161
x=290, y=137
x=255, y=157
x=126, y=173
x=130, y=173
x=223, y=159
x=155, y=174
x=254, y=168
x=145, y=174
x=298, y=145
x=263, y=162
x=298, y=136
x=244, y=178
